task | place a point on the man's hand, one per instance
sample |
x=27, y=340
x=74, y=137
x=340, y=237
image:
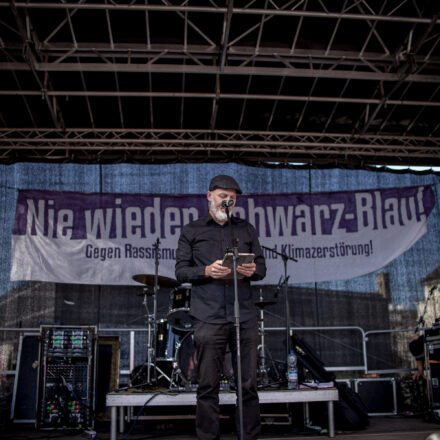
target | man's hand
x=417, y=376
x=247, y=269
x=216, y=270
x=420, y=370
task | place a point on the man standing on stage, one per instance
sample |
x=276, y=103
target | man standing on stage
x=202, y=246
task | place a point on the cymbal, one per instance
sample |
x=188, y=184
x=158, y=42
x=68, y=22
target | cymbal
x=264, y=303
x=148, y=280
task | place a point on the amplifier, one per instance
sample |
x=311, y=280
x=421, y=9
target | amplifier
x=66, y=379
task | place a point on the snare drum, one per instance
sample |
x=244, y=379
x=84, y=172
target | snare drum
x=178, y=316
x=166, y=341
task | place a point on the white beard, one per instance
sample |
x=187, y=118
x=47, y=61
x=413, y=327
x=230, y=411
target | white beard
x=218, y=213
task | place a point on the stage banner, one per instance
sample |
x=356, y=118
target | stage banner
x=95, y=238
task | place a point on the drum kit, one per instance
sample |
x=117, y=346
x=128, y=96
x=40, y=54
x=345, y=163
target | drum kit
x=170, y=347
x=171, y=360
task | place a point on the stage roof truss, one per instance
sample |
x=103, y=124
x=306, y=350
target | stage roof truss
x=350, y=83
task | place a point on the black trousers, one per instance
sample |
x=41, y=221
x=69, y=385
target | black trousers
x=210, y=341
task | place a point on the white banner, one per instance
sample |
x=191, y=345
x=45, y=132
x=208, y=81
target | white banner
x=92, y=238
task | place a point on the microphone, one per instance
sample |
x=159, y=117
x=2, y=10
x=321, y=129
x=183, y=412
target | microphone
x=420, y=322
x=280, y=282
x=227, y=203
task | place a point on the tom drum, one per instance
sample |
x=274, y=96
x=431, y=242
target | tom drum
x=178, y=316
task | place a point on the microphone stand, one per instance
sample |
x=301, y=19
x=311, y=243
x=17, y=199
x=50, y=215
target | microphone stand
x=156, y=291
x=234, y=243
x=285, y=258
x=421, y=321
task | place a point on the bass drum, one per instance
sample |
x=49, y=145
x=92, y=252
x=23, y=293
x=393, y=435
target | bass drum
x=187, y=361
x=186, y=358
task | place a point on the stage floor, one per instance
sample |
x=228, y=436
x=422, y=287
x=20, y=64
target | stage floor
x=380, y=428
x=119, y=402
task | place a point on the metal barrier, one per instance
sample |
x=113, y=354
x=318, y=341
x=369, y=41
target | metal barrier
x=384, y=371
x=133, y=331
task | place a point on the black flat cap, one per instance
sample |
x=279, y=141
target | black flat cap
x=224, y=182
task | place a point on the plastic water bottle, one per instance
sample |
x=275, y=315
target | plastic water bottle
x=292, y=371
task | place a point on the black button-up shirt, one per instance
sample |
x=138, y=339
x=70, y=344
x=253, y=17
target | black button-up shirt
x=204, y=241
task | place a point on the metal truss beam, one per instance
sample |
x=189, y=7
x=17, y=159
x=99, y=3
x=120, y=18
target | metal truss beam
x=175, y=58
x=216, y=70
x=232, y=96
x=230, y=57
x=86, y=145
x=59, y=51
x=219, y=10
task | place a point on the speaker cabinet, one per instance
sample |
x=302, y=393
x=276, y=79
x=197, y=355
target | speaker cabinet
x=378, y=395
x=24, y=397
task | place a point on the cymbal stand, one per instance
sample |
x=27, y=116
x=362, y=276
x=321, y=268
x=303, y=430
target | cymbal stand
x=156, y=291
x=285, y=259
x=152, y=324
x=150, y=321
x=262, y=357
x=262, y=364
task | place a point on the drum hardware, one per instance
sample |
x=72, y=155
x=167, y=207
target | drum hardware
x=263, y=303
x=262, y=372
x=180, y=379
x=149, y=280
x=139, y=377
x=151, y=366
x=283, y=284
x=175, y=359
